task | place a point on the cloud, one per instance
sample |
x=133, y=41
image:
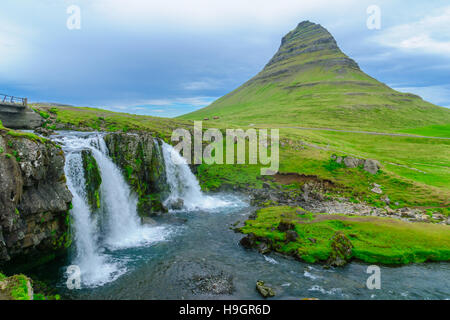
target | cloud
x=213, y=14
x=426, y=35
x=208, y=84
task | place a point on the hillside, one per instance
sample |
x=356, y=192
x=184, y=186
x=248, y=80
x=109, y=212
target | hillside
x=310, y=82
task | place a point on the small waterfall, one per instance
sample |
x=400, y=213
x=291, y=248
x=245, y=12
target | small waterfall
x=184, y=185
x=119, y=226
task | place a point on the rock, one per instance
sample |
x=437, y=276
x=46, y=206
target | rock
x=248, y=241
x=147, y=220
x=372, y=166
x=34, y=200
x=17, y=287
x=339, y=160
x=341, y=250
x=312, y=240
x=215, y=117
x=93, y=179
x=205, y=119
x=351, y=162
x=140, y=158
x=284, y=226
x=376, y=190
x=213, y=284
x=266, y=185
x=386, y=200
x=263, y=248
x=264, y=290
x=291, y=236
x=44, y=131
x=175, y=204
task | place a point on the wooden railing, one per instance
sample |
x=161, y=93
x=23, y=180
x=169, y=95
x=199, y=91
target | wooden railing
x=4, y=98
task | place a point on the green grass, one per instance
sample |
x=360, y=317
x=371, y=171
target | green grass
x=104, y=120
x=375, y=240
x=431, y=131
x=404, y=185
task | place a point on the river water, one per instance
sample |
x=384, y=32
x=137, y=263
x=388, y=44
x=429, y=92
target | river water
x=193, y=253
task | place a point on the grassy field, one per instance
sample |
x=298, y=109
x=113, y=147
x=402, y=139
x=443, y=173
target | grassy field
x=104, y=120
x=415, y=171
x=374, y=240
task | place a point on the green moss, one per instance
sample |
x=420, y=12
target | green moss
x=16, y=286
x=374, y=239
x=93, y=179
x=27, y=135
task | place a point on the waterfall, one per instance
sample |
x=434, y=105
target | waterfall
x=184, y=185
x=115, y=226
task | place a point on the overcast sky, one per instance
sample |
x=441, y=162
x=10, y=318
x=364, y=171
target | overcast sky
x=170, y=57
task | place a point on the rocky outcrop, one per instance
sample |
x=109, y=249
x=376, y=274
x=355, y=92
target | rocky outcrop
x=34, y=199
x=341, y=250
x=93, y=179
x=264, y=290
x=370, y=165
x=17, y=287
x=140, y=158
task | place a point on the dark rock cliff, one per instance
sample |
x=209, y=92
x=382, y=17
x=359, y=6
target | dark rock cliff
x=140, y=158
x=34, y=199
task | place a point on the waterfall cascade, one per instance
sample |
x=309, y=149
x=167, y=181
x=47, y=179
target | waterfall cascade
x=184, y=185
x=115, y=226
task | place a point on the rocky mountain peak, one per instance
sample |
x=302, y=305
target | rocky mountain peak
x=307, y=41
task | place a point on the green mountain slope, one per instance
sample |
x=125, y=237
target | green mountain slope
x=310, y=82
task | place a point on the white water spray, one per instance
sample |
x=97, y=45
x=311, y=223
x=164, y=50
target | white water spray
x=184, y=185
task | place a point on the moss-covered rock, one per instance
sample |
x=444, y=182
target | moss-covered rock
x=341, y=250
x=17, y=287
x=34, y=200
x=93, y=179
x=140, y=158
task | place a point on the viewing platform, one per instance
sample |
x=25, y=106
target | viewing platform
x=15, y=113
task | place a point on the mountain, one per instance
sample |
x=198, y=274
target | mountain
x=310, y=82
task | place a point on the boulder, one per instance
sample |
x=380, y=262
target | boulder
x=175, y=204
x=284, y=226
x=291, y=236
x=341, y=250
x=249, y=241
x=376, y=189
x=264, y=291
x=372, y=166
x=17, y=287
x=44, y=131
x=351, y=162
x=263, y=248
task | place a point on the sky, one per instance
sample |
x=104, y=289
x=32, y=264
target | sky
x=167, y=58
